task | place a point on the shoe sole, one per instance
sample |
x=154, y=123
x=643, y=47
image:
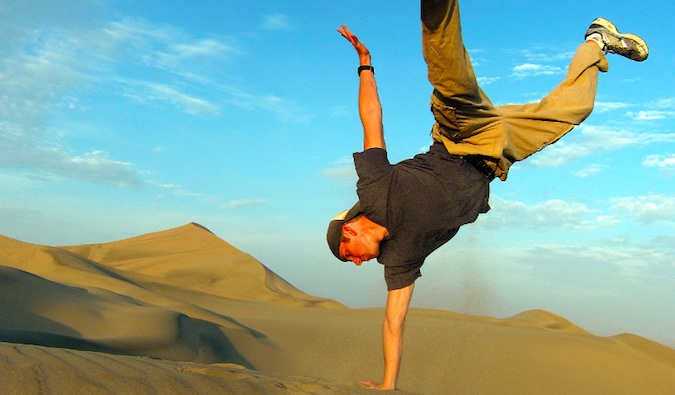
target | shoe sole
x=641, y=47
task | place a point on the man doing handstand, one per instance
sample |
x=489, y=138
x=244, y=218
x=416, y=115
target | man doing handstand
x=407, y=210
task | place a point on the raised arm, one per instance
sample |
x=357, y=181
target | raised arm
x=398, y=301
x=370, y=108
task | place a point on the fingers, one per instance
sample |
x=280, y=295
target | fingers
x=351, y=37
x=369, y=383
x=345, y=30
x=346, y=33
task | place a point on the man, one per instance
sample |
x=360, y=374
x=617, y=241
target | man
x=408, y=210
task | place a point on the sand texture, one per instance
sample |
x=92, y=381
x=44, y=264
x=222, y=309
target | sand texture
x=182, y=311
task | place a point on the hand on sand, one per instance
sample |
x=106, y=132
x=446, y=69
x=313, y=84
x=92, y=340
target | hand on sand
x=368, y=383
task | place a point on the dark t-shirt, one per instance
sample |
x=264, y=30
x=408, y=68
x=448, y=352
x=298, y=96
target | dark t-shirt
x=421, y=201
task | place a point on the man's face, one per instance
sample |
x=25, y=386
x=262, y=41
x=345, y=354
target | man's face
x=356, y=246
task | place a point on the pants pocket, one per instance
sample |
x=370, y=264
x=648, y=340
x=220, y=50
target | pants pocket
x=446, y=118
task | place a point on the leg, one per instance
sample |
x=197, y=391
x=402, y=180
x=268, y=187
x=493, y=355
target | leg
x=449, y=67
x=531, y=127
x=466, y=120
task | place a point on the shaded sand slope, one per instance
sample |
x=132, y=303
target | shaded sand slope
x=212, y=319
x=40, y=370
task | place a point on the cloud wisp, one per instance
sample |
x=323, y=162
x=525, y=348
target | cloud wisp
x=665, y=163
x=557, y=214
x=276, y=22
x=535, y=69
x=36, y=77
x=552, y=214
x=244, y=203
x=592, y=140
x=646, y=209
x=44, y=69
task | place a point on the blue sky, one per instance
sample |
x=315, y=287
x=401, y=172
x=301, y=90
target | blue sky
x=119, y=118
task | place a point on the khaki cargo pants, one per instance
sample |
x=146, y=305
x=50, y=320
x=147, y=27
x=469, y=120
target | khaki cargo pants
x=467, y=123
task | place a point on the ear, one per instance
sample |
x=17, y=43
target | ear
x=349, y=230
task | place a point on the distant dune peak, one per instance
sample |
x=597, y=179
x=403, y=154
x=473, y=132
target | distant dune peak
x=189, y=257
x=545, y=320
x=199, y=226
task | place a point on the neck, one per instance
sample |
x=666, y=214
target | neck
x=376, y=230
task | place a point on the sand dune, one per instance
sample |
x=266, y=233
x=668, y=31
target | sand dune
x=182, y=311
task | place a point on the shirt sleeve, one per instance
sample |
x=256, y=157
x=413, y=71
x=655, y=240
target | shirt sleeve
x=401, y=276
x=371, y=166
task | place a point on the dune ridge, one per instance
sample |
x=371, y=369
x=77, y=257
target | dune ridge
x=214, y=266
x=181, y=311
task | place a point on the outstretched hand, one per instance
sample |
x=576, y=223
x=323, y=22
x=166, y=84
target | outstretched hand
x=361, y=49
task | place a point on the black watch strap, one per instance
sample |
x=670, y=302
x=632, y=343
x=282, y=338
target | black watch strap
x=371, y=68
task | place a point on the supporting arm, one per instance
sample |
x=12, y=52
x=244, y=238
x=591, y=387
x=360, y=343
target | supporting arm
x=398, y=301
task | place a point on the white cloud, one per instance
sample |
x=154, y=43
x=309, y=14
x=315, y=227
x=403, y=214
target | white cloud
x=532, y=69
x=552, y=214
x=242, y=203
x=589, y=170
x=35, y=77
x=180, y=191
x=345, y=173
x=27, y=146
x=556, y=214
x=46, y=63
x=646, y=209
x=483, y=81
x=282, y=107
x=189, y=104
x=342, y=170
x=199, y=48
x=93, y=165
x=193, y=60
x=276, y=22
x=173, y=52
x=601, y=107
x=650, y=115
x=286, y=110
x=667, y=103
x=559, y=154
x=54, y=161
x=664, y=163
x=545, y=55
x=591, y=140
x=633, y=261
x=341, y=111
x=658, y=109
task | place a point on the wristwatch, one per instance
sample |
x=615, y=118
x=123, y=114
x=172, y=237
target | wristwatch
x=361, y=68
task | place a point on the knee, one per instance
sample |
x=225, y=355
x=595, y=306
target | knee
x=434, y=12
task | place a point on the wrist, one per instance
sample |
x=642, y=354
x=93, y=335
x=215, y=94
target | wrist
x=366, y=67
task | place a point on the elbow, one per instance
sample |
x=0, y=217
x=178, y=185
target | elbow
x=371, y=112
x=394, y=326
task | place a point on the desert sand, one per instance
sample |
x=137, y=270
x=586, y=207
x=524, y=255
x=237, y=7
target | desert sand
x=182, y=311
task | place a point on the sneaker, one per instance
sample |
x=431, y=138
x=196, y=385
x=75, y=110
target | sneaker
x=628, y=45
